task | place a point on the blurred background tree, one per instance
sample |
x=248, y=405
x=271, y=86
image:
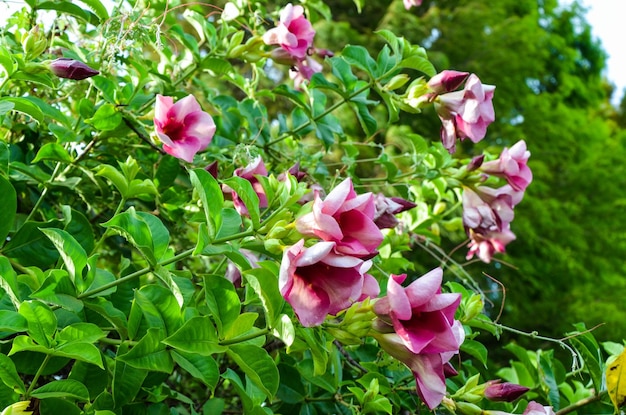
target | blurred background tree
x=548, y=69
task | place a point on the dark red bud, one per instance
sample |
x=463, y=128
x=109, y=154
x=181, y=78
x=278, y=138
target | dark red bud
x=504, y=392
x=476, y=162
x=71, y=69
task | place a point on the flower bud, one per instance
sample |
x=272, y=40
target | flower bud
x=397, y=81
x=504, y=392
x=466, y=408
x=476, y=162
x=71, y=69
x=447, y=81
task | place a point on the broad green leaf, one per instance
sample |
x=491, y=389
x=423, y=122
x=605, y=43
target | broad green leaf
x=159, y=308
x=114, y=175
x=197, y=335
x=136, y=231
x=475, y=349
x=48, y=110
x=7, y=63
x=419, y=63
x=77, y=225
x=65, y=388
x=12, y=321
x=107, y=310
x=8, y=201
x=223, y=302
x=58, y=289
x=167, y=277
x=290, y=390
x=231, y=223
x=54, y=152
x=30, y=247
x=549, y=379
x=284, y=329
x=85, y=352
x=9, y=375
x=212, y=199
x=585, y=344
x=243, y=325
x=248, y=196
x=70, y=9
x=42, y=322
x=359, y=57
x=265, y=285
x=80, y=333
x=98, y=8
x=127, y=381
x=8, y=282
x=73, y=254
x=257, y=364
x=314, y=339
x=59, y=406
x=94, y=378
x=25, y=107
x=201, y=367
x=25, y=343
x=149, y=353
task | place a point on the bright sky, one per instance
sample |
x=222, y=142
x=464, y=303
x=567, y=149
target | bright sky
x=606, y=18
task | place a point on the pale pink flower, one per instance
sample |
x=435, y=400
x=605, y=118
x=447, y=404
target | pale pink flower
x=411, y=3
x=183, y=128
x=416, y=325
x=485, y=245
x=466, y=113
x=512, y=165
x=387, y=208
x=255, y=168
x=316, y=281
x=303, y=70
x=293, y=33
x=346, y=219
x=535, y=408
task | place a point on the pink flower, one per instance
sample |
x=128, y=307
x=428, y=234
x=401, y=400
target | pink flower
x=487, y=214
x=447, y=81
x=71, y=69
x=183, y=128
x=421, y=315
x=346, y=219
x=303, y=70
x=293, y=33
x=387, y=208
x=466, y=113
x=316, y=281
x=504, y=392
x=416, y=325
x=410, y=3
x=256, y=167
x=534, y=408
x=512, y=165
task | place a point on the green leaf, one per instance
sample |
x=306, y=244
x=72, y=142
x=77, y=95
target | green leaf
x=265, y=285
x=7, y=63
x=107, y=310
x=117, y=178
x=158, y=231
x=589, y=350
x=12, y=321
x=25, y=107
x=8, y=201
x=136, y=231
x=58, y=289
x=65, y=388
x=85, y=352
x=8, y=282
x=212, y=199
x=203, y=368
x=197, y=335
x=71, y=9
x=9, y=375
x=248, y=196
x=6, y=107
x=97, y=7
x=284, y=329
x=475, y=349
x=127, y=381
x=54, y=152
x=159, y=307
x=80, y=333
x=95, y=379
x=58, y=406
x=291, y=390
x=419, y=63
x=106, y=118
x=73, y=254
x=554, y=397
x=359, y=57
x=257, y=364
x=42, y=322
x=149, y=353
x=223, y=302
x=167, y=277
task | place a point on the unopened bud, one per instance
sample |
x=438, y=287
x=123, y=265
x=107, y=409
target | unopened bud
x=466, y=408
x=476, y=162
x=447, y=81
x=71, y=69
x=397, y=81
x=504, y=392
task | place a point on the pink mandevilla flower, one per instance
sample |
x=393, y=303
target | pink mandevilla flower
x=416, y=325
x=316, y=281
x=466, y=113
x=535, y=408
x=447, y=81
x=487, y=214
x=256, y=167
x=293, y=33
x=346, y=219
x=512, y=165
x=183, y=128
x=411, y=3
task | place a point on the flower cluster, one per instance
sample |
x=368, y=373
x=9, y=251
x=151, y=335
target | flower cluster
x=465, y=113
x=294, y=35
x=488, y=212
x=416, y=325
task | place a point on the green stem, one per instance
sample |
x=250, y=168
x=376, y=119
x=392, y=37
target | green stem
x=577, y=405
x=37, y=375
x=44, y=192
x=245, y=338
x=322, y=115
